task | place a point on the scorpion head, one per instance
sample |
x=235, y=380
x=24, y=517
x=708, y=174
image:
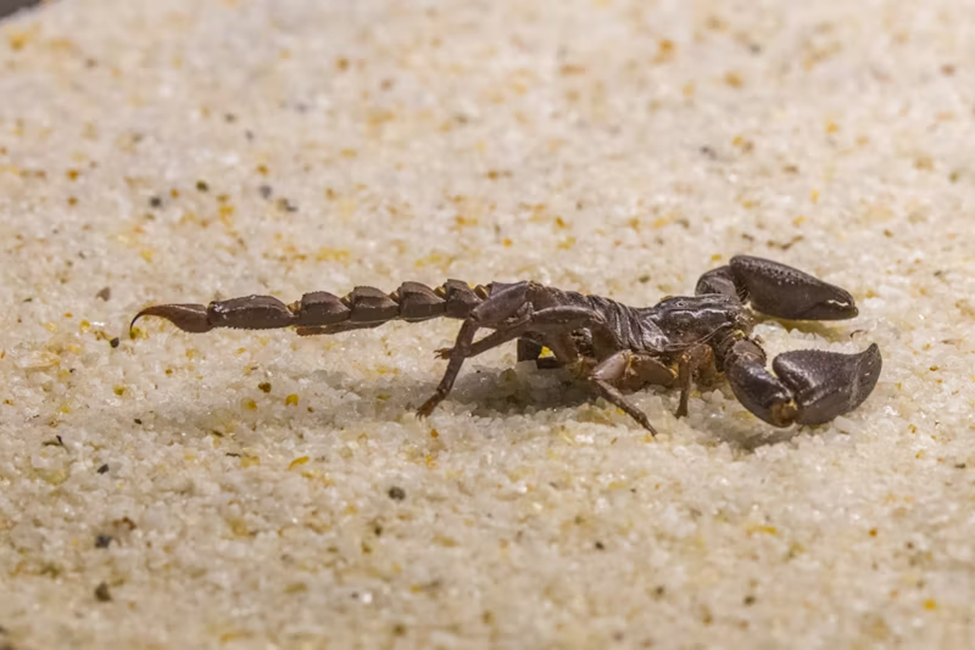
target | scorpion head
x=692, y=319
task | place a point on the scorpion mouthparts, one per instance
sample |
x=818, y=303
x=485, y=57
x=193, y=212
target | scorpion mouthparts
x=187, y=317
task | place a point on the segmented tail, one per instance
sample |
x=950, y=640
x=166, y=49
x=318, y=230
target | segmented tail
x=321, y=312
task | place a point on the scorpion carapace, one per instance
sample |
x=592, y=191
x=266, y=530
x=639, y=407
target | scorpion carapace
x=613, y=347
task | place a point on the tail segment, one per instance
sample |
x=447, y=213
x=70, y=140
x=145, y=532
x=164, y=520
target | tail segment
x=321, y=312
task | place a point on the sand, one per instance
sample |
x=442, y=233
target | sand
x=263, y=490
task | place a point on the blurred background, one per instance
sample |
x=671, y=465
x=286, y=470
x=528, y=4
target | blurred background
x=9, y=6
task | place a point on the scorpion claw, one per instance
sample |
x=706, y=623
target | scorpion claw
x=827, y=384
x=808, y=387
x=187, y=317
x=786, y=292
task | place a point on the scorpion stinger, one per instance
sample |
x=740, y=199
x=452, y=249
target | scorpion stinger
x=613, y=347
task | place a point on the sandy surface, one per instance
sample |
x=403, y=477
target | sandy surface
x=256, y=489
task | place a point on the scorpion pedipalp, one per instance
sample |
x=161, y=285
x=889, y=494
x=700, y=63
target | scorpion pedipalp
x=778, y=290
x=808, y=387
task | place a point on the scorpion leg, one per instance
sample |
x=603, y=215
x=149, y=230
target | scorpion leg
x=617, y=369
x=698, y=359
x=509, y=311
x=511, y=301
x=552, y=321
x=808, y=387
x=622, y=368
x=457, y=356
x=512, y=309
x=511, y=330
x=778, y=290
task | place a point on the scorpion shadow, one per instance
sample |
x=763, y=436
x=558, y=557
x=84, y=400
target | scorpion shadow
x=486, y=392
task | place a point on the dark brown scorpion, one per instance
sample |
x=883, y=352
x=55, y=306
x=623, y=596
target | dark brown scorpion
x=615, y=348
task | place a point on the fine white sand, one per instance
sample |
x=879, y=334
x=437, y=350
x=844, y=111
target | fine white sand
x=257, y=489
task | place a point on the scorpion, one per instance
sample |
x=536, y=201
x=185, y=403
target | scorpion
x=613, y=347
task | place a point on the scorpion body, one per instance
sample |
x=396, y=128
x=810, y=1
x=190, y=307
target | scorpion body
x=614, y=347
